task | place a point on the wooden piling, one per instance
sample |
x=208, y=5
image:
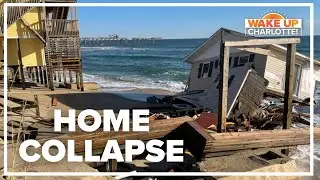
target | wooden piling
x=81, y=77
x=41, y=74
x=32, y=74
x=45, y=78
x=29, y=72
x=37, y=73
x=50, y=76
x=64, y=76
x=223, y=87
x=289, y=86
x=23, y=85
x=36, y=101
x=77, y=80
x=70, y=77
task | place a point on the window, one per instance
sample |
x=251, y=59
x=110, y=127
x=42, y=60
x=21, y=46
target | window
x=235, y=61
x=210, y=69
x=243, y=60
x=216, y=64
x=251, y=58
x=205, y=69
x=230, y=60
x=200, y=70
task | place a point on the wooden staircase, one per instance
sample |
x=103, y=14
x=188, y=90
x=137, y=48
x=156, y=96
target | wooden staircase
x=14, y=13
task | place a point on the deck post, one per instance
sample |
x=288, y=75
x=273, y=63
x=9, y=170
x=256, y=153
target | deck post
x=23, y=82
x=36, y=102
x=81, y=76
x=70, y=77
x=223, y=87
x=64, y=77
x=29, y=72
x=59, y=74
x=32, y=74
x=37, y=73
x=45, y=78
x=289, y=86
x=50, y=76
x=77, y=79
x=54, y=76
x=41, y=74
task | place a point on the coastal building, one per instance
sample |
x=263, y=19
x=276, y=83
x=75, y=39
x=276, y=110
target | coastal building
x=268, y=61
x=43, y=42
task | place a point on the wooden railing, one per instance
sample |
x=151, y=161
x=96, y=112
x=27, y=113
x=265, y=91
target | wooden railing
x=62, y=27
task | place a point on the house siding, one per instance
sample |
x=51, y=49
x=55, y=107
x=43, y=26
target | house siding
x=276, y=69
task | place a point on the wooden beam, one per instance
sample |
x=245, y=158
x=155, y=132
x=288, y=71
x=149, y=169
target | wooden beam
x=223, y=88
x=23, y=85
x=255, y=50
x=259, y=42
x=234, y=141
x=289, y=86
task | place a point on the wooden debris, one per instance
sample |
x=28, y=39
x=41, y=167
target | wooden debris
x=236, y=141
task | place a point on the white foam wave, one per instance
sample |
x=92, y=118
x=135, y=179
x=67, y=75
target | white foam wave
x=119, y=48
x=132, y=82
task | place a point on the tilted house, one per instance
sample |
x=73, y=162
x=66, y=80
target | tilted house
x=268, y=61
x=43, y=41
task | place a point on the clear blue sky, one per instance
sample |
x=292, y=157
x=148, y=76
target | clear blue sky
x=180, y=22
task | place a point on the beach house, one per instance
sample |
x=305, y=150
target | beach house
x=268, y=61
x=43, y=42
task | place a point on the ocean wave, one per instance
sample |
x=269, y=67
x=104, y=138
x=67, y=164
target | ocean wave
x=134, y=56
x=118, y=48
x=132, y=82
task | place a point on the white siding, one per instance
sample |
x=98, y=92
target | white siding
x=276, y=69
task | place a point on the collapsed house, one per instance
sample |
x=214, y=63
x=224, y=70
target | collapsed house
x=268, y=61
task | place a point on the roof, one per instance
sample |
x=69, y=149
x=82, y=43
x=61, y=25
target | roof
x=212, y=39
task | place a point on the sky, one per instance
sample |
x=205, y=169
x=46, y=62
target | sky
x=180, y=22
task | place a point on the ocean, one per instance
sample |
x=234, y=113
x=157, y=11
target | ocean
x=160, y=66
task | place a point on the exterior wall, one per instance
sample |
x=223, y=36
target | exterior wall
x=276, y=69
x=196, y=83
x=32, y=52
x=32, y=48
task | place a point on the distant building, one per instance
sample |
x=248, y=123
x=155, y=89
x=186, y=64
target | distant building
x=268, y=61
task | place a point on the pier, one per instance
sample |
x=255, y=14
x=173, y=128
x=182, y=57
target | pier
x=115, y=40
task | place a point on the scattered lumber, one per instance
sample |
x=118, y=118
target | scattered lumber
x=235, y=141
x=157, y=129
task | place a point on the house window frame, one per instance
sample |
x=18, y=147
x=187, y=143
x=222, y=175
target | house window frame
x=210, y=69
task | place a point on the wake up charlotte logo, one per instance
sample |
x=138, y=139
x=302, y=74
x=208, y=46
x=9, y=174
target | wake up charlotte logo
x=273, y=24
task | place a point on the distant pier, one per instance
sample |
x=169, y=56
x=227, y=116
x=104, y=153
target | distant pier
x=115, y=40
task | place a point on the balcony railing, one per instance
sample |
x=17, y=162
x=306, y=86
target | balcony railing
x=62, y=27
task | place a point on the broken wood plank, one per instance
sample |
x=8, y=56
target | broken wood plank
x=261, y=139
x=157, y=129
